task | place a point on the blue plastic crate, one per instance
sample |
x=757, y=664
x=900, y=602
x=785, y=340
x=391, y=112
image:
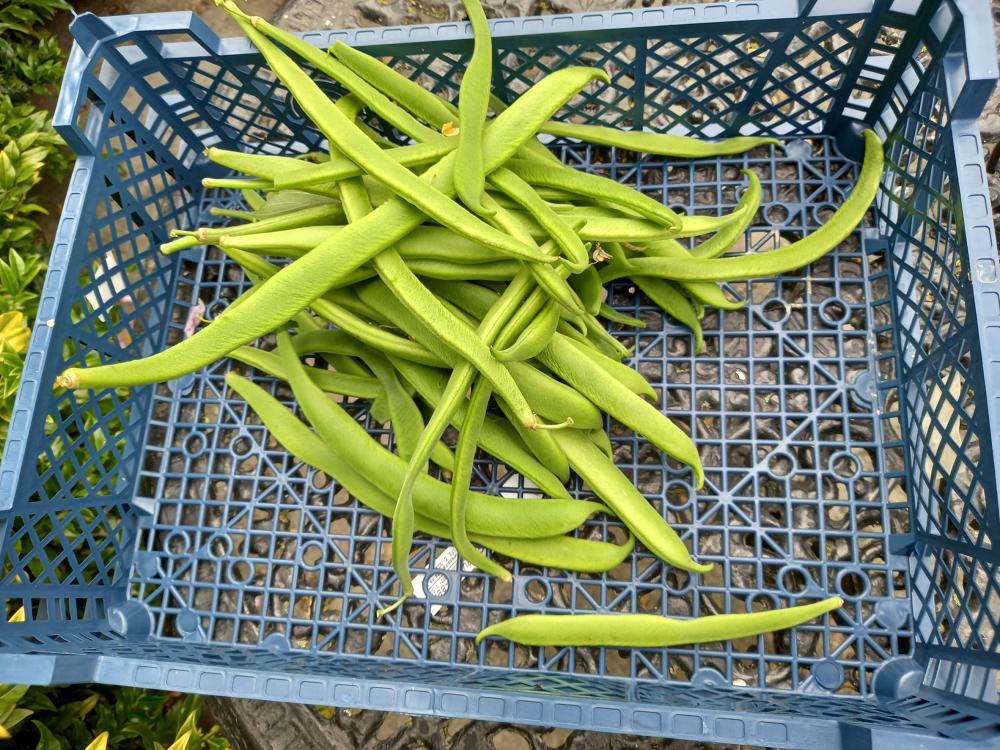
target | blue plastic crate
x=163, y=539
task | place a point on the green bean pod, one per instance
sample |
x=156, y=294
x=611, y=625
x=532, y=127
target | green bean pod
x=651, y=631
x=664, y=144
x=669, y=298
x=537, y=172
x=562, y=231
x=568, y=553
x=562, y=356
x=468, y=440
x=801, y=253
x=617, y=491
x=473, y=103
x=535, y=336
x=412, y=155
x=555, y=400
x=331, y=382
x=498, y=437
x=590, y=288
x=609, y=313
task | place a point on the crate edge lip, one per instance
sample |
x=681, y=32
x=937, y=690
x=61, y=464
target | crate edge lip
x=51, y=295
x=716, y=724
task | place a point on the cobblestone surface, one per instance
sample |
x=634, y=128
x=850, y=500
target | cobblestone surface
x=259, y=725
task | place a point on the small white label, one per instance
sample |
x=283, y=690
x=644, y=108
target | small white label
x=436, y=584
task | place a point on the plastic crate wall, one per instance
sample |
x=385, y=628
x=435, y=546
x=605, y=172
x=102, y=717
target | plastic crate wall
x=145, y=94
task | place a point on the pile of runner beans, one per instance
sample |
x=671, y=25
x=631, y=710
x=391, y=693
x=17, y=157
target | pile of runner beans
x=463, y=277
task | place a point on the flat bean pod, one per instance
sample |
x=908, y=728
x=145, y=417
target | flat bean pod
x=527, y=518
x=669, y=298
x=331, y=382
x=651, y=631
x=664, y=144
x=536, y=172
x=617, y=491
x=465, y=453
x=473, y=103
x=791, y=257
x=535, y=336
x=562, y=356
x=567, y=553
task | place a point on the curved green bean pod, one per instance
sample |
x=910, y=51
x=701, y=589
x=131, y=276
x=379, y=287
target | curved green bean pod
x=669, y=298
x=617, y=491
x=431, y=497
x=562, y=231
x=260, y=165
x=465, y=454
x=555, y=399
x=664, y=144
x=344, y=134
x=796, y=255
x=567, y=553
x=432, y=268
x=628, y=377
x=590, y=288
x=726, y=237
x=651, y=631
x=562, y=356
x=535, y=336
x=412, y=155
x=609, y=313
x=537, y=172
x=303, y=218
x=332, y=382
x=290, y=290
x=427, y=242
x=498, y=437
x=407, y=421
x=473, y=103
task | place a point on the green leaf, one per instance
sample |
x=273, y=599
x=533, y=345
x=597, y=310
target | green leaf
x=46, y=740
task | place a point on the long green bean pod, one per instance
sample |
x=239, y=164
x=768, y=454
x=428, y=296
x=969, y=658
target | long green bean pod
x=473, y=103
x=651, y=631
x=566, y=552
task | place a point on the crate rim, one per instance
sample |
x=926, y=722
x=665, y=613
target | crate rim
x=971, y=79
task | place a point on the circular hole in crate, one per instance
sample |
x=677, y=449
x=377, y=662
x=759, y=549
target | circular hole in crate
x=845, y=465
x=834, y=312
x=194, y=445
x=794, y=579
x=242, y=446
x=776, y=310
x=780, y=464
x=239, y=571
x=437, y=585
x=215, y=309
x=537, y=591
x=822, y=212
x=177, y=542
x=677, y=581
x=678, y=495
x=776, y=213
x=311, y=555
x=319, y=481
x=220, y=546
x=853, y=584
x=761, y=601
